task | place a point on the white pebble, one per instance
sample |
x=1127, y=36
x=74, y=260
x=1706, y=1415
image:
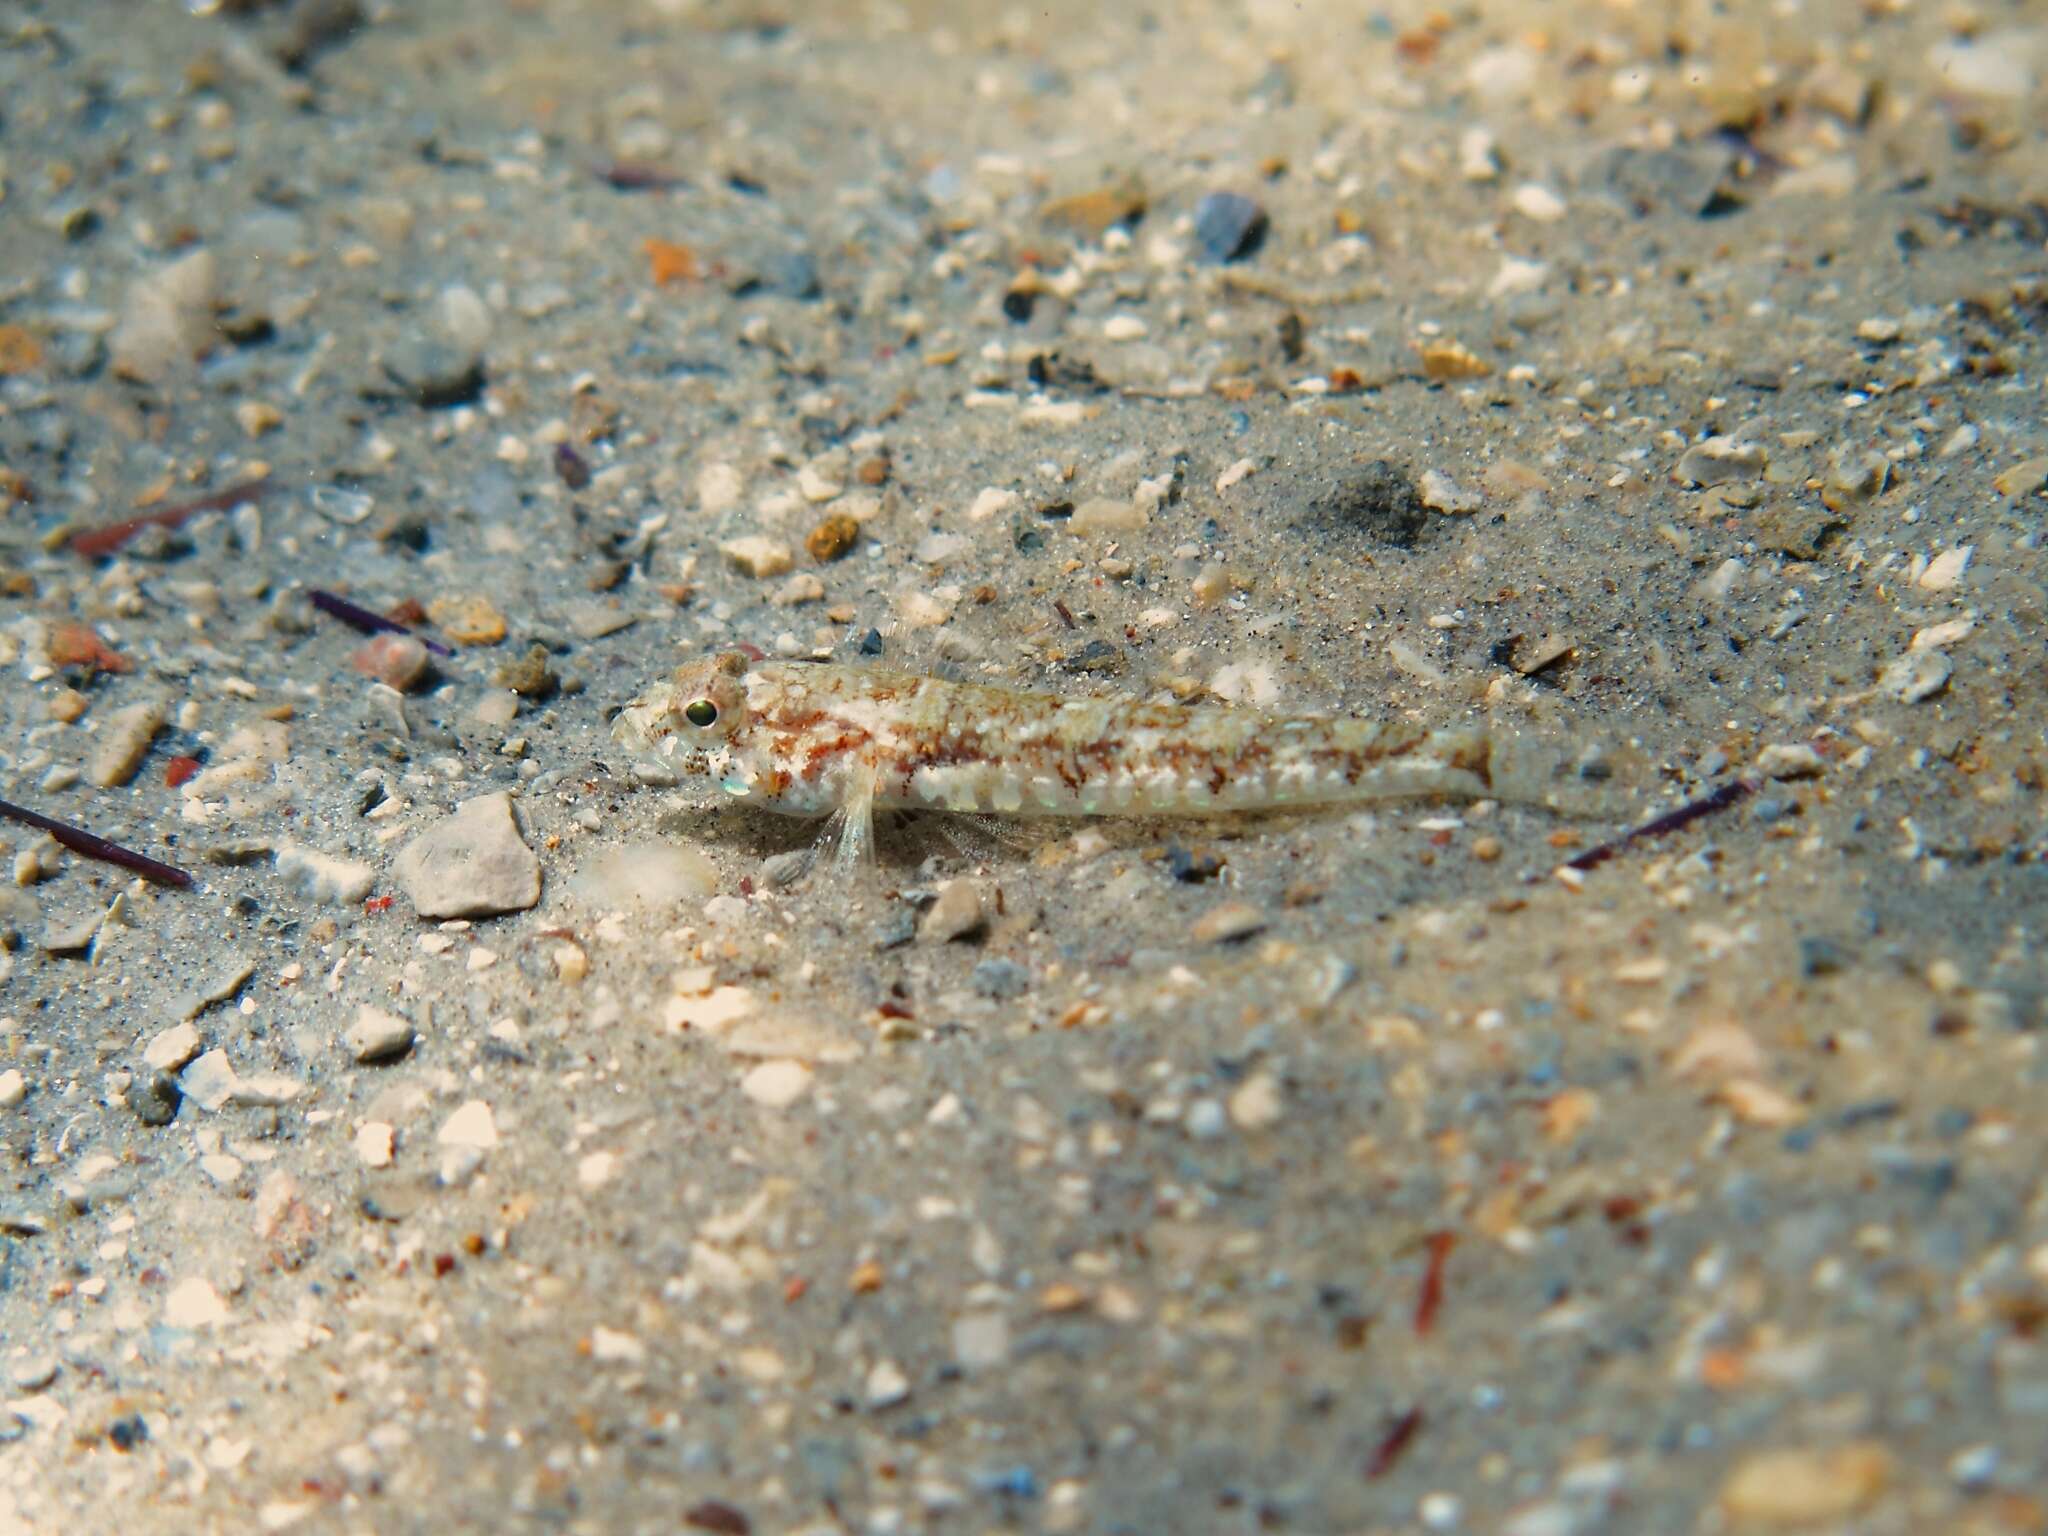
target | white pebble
x=470, y=1126
x=994, y=502
x=373, y=1144
x=777, y=1084
x=172, y=1048
x=13, y=1088
x=194, y=1304
x=1123, y=328
x=1532, y=200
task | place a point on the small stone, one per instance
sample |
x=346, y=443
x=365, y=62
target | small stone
x=1440, y=493
x=757, y=555
x=2022, y=480
x=954, y=915
x=1535, y=201
x=377, y=1036
x=209, y=1081
x=1806, y=1487
x=1227, y=923
x=166, y=318
x=468, y=620
x=124, y=742
x=266, y=1090
x=13, y=1088
x=153, y=1098
x=1230, y=227
x=2000, y=64
x=531, y=676
x=397, y=661
x=1720, y=461
x=886, y=1385
x=1854, y=477
x=981, y=1341
x=1878, y=330
x=994, y=501
x=1123, y=328
x=471, y=1126
x=1915, y=676
x=473, y=864
x=1944, y=572
x=194, y=1304
x=1093, y=213
x=172, y=1048
x=815, y=484
x=777, y=1084
x=495, y=709
x=374, y=1144
x=1256, y=1104
x=256, y=417
x=34, y=1373
x=1797, y=530
x=833, y=538
x=1789, y=761
x=1205, y=1120
x=325, y=877
x=801, y=588
x=1448, y=361
x=1105, y=514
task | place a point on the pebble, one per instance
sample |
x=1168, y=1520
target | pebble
x=374, y=1144
x=153, y=1098
x=1440, y=493
x=1789, y=761
x=1995, y=64
x=1226, y=923
x=376, y=1035
x=1796, y=529
x=1720, y=461
x=757, y=555
x=34, y=1373
x=832, y=539
x=324, y=877
x=994, y=501
x=1915, y=676
x=1256, y=1104
x=1104, y=514
x=124, y=742
x=1944, y=572
x=1229, y=226
x=886, y=1385
x=194, y=1303
x=1533, y=200
x=530, y=677
x=173, y=1048
x=13, y=1088
x=595, y=620
x=471, y=1127
x=2022, y=480
x=956, y=913
x=1123, y=328
x=166, y=318
x=1854, y=477
x=468, y=619
x=209, y=1081
x=1806, y=1487
x=397, y=661
x=777, y=1084
x=473, y=864
x=1205, y=1120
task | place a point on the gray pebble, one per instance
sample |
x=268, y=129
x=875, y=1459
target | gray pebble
x=1229, y=226
x=999, y=978
x=473, y=864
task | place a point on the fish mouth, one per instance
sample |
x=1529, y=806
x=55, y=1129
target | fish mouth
x=643, y=723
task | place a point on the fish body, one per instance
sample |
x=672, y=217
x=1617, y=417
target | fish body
x=821, y=739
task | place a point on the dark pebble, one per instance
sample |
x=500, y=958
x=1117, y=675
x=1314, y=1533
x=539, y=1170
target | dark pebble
x=1018, y=304
x=1229, y=226
x=1820, y=956
x=1953, y=1122
x=1097, y=656
x=711, y=1515
x=897, y=930
x=154, y=1097
x=871, y=643
x=1933, y=1177
x=999, y=978
x=1193, y=866
x=128, y=1433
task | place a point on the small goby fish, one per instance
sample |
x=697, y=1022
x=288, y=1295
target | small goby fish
x=820, y=739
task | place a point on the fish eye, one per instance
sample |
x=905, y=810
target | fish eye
x=700, y=712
